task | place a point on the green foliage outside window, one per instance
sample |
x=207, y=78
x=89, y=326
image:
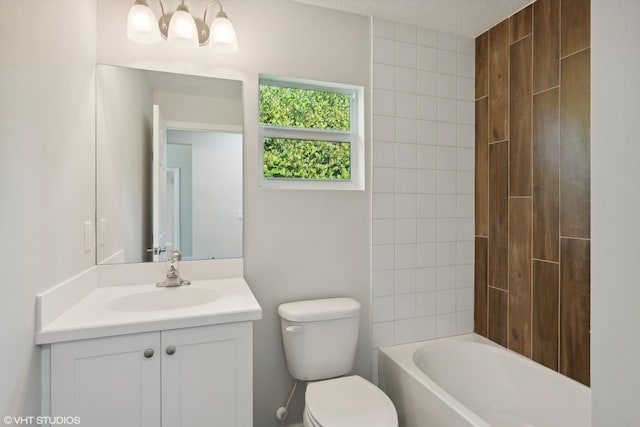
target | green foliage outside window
x=304, y=108
x=306, y=159
x=308, y=109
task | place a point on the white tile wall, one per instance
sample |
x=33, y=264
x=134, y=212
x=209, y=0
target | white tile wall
x=423, y=182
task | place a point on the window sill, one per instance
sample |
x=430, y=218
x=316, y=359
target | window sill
x=301, y=184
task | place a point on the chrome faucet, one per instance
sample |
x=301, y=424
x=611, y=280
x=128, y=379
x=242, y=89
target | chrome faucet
x=173, y=278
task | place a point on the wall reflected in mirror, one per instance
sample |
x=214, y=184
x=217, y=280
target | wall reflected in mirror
x=168, y=165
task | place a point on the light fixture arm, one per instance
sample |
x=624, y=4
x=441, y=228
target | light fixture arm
x=220, y=13
x=163, y=23
x=223, y=36
x=164, y=26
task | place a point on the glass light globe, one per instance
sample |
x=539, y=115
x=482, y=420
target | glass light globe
x=223, y=36
x=182, y=29
x=142, y=26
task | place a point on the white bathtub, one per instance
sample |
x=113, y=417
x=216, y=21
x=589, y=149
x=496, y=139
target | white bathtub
x=470, y=381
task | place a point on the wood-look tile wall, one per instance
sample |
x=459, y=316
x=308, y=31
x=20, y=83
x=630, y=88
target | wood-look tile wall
x=532, y=192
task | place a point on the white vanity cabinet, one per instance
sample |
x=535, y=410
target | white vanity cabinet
x=188, y=377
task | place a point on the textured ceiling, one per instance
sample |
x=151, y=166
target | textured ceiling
x=467, y=17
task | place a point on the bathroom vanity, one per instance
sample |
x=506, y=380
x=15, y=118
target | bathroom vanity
x=138, y=355
x=116, y=349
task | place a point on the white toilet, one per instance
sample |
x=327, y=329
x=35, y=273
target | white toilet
x=320, y=339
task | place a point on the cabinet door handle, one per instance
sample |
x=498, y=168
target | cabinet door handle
x=171, y=349
x=148, y=353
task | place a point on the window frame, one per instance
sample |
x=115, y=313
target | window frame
x=354, y=136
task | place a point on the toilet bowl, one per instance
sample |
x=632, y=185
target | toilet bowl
x=320, y=338
x=347, y=402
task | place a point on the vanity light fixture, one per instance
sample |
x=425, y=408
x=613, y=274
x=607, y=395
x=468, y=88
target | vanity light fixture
x=181, y=28
x=223, y=36
x=141, y=24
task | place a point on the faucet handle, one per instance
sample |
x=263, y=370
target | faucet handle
x=157, y=250
x=176, y=255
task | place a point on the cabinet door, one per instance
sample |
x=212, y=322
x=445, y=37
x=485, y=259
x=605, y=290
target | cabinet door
x=207, y=381
x=108, y=381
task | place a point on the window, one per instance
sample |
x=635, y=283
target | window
x=311, y=135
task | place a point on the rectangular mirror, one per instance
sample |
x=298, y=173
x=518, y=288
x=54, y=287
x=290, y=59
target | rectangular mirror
x=168, y=166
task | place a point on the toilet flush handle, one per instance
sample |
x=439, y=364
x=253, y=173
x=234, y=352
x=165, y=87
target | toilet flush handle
x=294, y=329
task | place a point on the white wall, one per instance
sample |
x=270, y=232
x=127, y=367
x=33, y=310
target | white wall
x=201, y=109
x=216, y=170
x=217, y=187
x=123, y=142
x=615, y=212
x=47, y=106
x=180, y=156
x=297, y=244
x=423, y=162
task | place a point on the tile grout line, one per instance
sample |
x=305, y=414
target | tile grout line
x=575, y=53
x=559, y=326
x=546, y=260
x=488, y=124
x=531, y=151
x=509, y=189
x=525, y=36
x=549, y=89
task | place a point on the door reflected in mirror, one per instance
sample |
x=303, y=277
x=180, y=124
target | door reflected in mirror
x=169, y=166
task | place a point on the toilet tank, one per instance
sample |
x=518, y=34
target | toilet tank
x=320, y=337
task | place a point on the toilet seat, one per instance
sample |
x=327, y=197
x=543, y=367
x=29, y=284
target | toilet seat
x=348, y=402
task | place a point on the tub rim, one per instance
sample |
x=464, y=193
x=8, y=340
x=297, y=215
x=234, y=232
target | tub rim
x=404, y=355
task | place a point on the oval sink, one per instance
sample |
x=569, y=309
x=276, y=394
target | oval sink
x=164, y=299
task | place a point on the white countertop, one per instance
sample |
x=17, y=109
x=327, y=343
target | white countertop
x=100, y=313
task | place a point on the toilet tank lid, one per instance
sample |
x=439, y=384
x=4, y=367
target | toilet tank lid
x=319, y=309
